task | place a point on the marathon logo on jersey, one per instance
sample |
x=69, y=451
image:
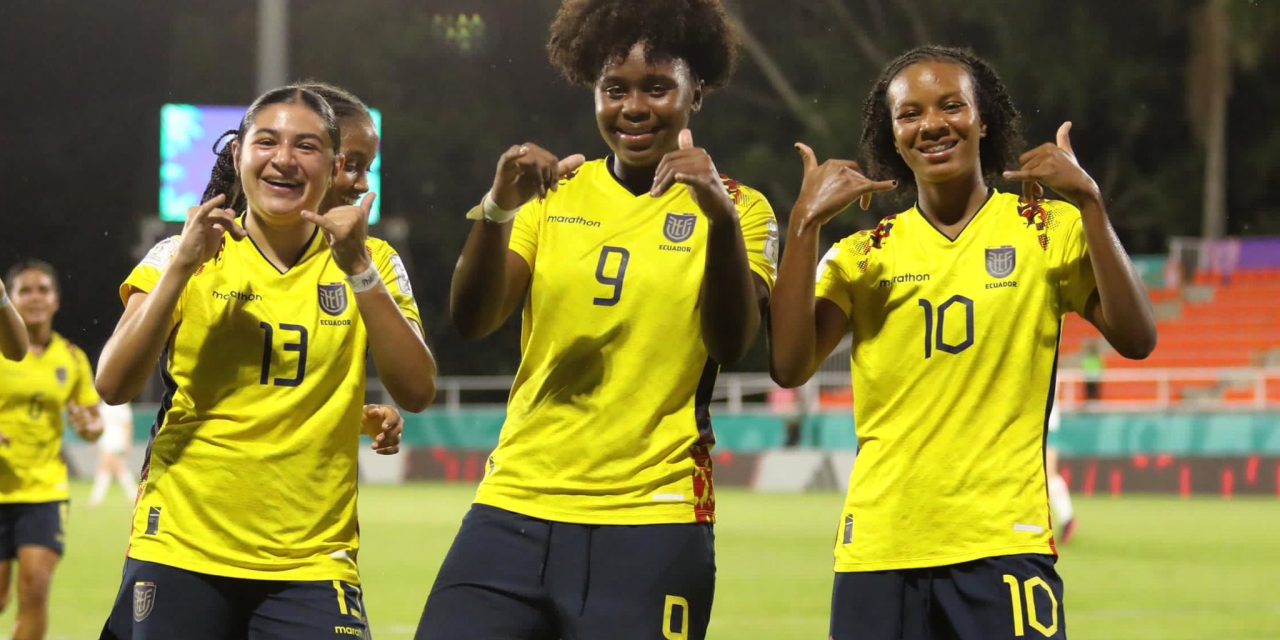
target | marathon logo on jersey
x=144, y=600
x=1000, y=261
x=61, y=374
x=679, y=227
x=333, y=298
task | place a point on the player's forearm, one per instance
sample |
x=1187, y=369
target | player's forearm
x=479, y=285
x=729, y=308
x=1128, y=321
x=13, y=334
x=404, y=362
x=792, y=321
x=133, y=350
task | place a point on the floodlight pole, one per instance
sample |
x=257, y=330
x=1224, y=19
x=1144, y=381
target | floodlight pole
x=273, y=44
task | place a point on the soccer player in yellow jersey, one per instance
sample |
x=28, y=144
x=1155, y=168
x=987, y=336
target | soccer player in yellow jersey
x=955, y=306
x=54, y=377
x=245, y=525
x=638, y=275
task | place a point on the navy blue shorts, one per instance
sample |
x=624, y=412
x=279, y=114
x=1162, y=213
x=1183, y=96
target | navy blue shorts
x=512, y=577
x=159, y=602
x=36, y=524
x=1015, y=597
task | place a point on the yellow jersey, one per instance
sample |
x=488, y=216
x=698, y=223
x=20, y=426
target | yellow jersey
x=251, y=468
x=34, y=393
x=955, y=348
x=608, y=420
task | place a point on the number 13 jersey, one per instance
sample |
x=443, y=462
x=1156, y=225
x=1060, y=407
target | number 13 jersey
x=954, y=352
x=608, y=419
x=251, y=468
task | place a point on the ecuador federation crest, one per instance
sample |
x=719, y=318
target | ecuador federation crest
x=1000, y=261
x=333, y=298
x=144, y=600
x=679, y=227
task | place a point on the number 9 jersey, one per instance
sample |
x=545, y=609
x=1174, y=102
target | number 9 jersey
x=251, y=471
x=955, y=348
x=608, y=420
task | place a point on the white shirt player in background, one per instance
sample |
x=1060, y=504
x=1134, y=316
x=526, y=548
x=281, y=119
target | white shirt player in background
x=113, y=454
x=1064, y=517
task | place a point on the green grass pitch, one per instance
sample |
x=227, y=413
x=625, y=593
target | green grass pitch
x=1158, y=568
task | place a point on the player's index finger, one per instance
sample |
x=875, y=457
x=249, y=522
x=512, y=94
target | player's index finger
x=207, y=206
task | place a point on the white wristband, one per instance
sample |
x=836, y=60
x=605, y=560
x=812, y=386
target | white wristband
x=489, y=210
x=4, y=301
x=365, y=280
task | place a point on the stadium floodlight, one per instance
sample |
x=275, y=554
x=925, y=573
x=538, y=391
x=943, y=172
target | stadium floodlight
x=187, y=134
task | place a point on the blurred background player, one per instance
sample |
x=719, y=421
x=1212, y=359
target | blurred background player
x=54, y=377
x=955, y=306
x=113, y=453
x=1064, y=514
x=13, y=334
x=639, y=274
x=246, y=523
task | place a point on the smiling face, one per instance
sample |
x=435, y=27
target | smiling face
x=285, y=162
x=35, y=296
x=642, y=106
x=936, y=124
x=359, y=149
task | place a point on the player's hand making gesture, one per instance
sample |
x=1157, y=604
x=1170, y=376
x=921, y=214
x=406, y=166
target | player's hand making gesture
x=527, y=170
x=1055, y=166
x=347, y=230
x=692, y=167
x=202, y=233
x=830, y=188
x=385, y=425
x=87, y=423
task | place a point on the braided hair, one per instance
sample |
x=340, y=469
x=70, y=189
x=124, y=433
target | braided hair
x=223, y=178
x=998, y=151
x=344, y=103
x=588, y=34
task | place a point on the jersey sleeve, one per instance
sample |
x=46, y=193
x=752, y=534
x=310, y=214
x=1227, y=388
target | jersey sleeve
x=83, y=392
x=1076, y=281
x=524, y=230
x=760, y=234
x=144, y=277
x=394, y=275
x=834, y=280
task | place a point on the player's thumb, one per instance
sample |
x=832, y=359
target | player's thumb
x=1064, y=137
x=807, y=156
x=685, y=139
x=570, y=164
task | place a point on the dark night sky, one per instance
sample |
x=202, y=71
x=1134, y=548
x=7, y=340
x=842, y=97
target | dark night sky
x=83, y=82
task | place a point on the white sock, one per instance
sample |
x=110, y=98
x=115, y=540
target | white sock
x=101, y=482
x=1060, y=500
x=128, y=483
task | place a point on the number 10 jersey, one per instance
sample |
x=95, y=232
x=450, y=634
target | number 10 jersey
x=608, y=419
x=954, y=351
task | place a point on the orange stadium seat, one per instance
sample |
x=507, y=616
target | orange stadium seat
x=1236, y=327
